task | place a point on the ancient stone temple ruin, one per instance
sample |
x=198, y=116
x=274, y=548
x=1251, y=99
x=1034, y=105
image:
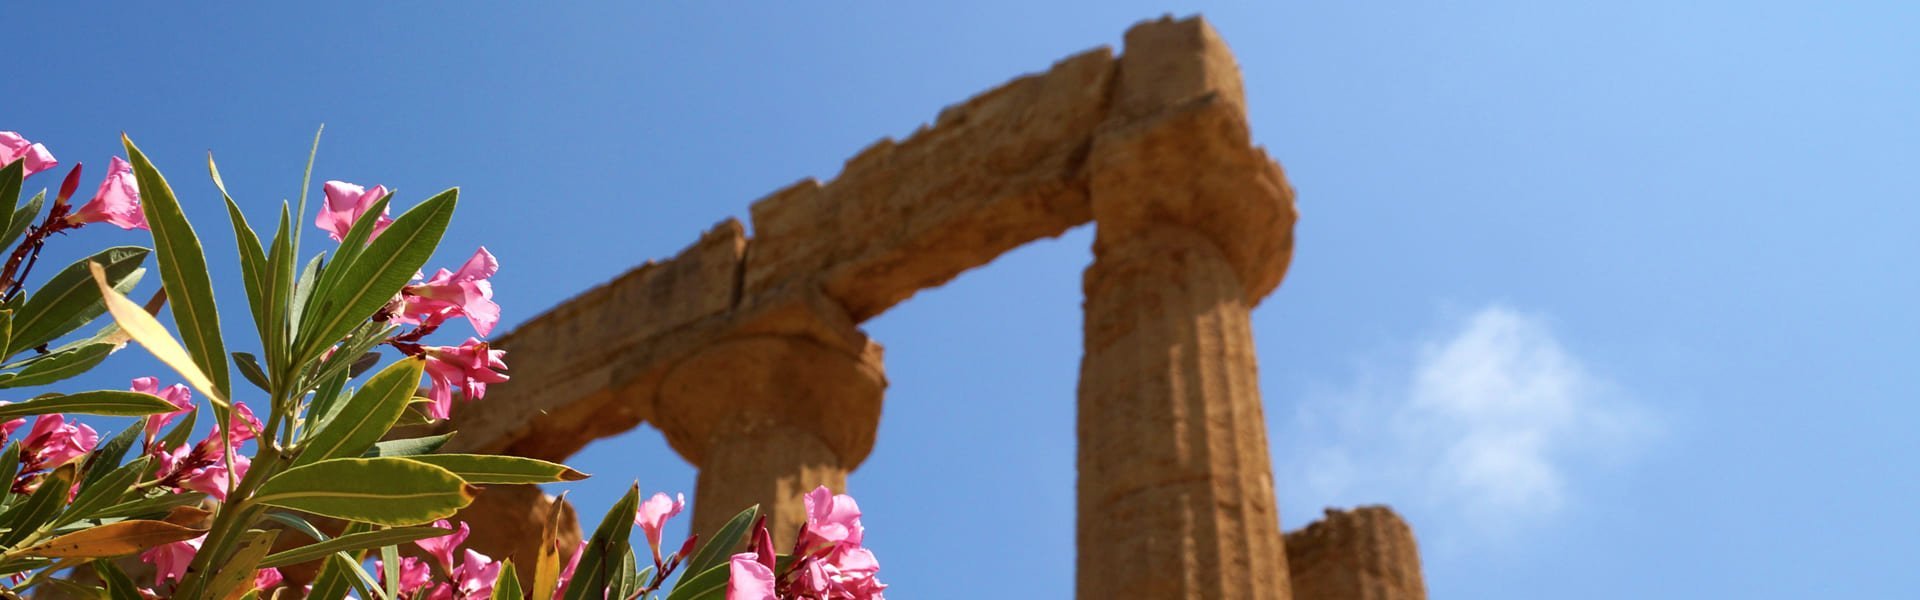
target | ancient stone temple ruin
x=747, y=353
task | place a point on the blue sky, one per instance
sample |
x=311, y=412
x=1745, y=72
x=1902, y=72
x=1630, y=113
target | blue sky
x=1607, y=298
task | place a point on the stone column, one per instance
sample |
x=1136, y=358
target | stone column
x=1367, y=553
x=769, y=417
x=1194, y=227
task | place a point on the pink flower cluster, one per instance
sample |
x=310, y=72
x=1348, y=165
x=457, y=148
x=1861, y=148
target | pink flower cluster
x=429, y=303
x=470, y=578
x=117, y=202
x=831, y=562
x=202, y=467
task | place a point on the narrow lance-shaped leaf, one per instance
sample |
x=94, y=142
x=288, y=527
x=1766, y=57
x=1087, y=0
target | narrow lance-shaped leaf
x=112, y=403
x=376, y=275
x=486, y=468
x=507, y=585
x=59, y=366
x=367, y=415
x=119, y=586
x=67, y=300
x=382, y=491
x=546, y=572
x=146, y=330
x=352, y=542
x=716, y=549
x=603, y=550
x=409, y=446
x=183, y=270
x=105, y=492
x=22, y=219
x=113, y=539
x=13, y=176
x=235, y=578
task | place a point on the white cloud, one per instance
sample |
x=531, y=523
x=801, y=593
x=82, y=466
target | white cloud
x=1484, y=428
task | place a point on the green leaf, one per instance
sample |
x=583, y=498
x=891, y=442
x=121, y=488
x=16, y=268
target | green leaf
x=373, y=277
x=36, y=510
x=104, y=458
x=390, y=569
x=22, y=219
x=249, y=367
x=367, y=416
x=351, y=543
x=183, y=270
x=303, y=289
x=294, y=522
x=119, y=586
x=333, y=582
x=708, y=584
x=625, y=578
x=69, y=300
x=382, y=491
x=254, y=270
x=507, y=586
x=112, y=403
x=9, y=469
x=105, y=492
x=486, y=468
x=591, y=577
x=409, y=446
x=306, y=182
x=239, y=570
x=12, y=178
x=151, y=506
x=718, y=547
x=279, y=289
x=58, y=366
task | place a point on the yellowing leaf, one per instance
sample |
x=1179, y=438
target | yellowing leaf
x=143, y=328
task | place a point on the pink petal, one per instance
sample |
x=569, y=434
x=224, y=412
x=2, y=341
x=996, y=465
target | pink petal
x=748, y=579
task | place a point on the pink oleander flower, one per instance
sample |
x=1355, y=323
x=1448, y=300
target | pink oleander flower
x=832, y=519
x=469, y=366
x=346, y=203
x=748, y=579
x=13, y=147
x=464, y=292
x=213, y=479
x=266, y=579
x=653, y=514
x=117, y=202
x=246, y=426
x=170, y=560
x=53, y=442
x=175, y=394
x=415, y=575
x=441, y=548
x=474, y=579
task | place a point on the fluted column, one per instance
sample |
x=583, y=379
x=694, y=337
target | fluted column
x=1193, y=228
x=1367, y=553
x=767, y=418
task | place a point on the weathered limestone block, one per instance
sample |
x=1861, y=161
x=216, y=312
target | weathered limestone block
x=771, y=414
x=567, y=364
x=1367, y=553
x=991, y=174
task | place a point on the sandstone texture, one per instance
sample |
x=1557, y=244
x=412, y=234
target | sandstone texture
x=746, y=351
x=1366, y=553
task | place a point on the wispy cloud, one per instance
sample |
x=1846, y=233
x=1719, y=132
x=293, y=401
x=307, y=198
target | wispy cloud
x=1485, y=427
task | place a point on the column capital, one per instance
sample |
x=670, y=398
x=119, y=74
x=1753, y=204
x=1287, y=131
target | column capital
x=1193, y=166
